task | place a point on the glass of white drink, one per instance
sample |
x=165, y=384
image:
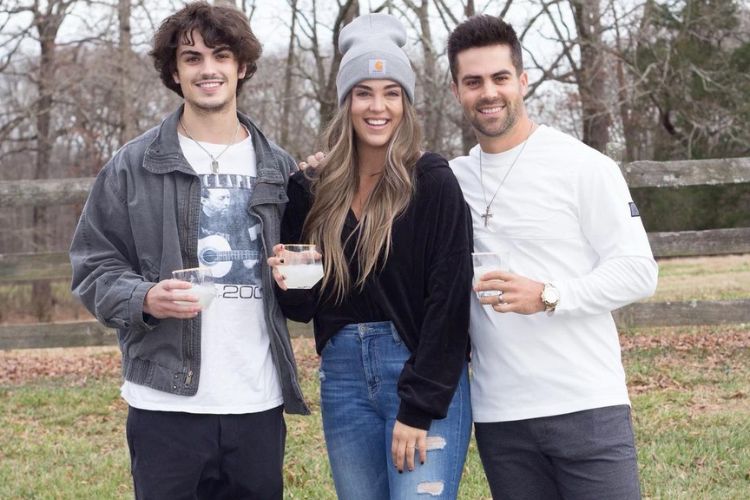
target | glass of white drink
x=203, y=285
x=302, y=267
x=485, y=262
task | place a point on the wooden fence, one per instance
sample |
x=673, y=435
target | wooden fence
x=48, y=266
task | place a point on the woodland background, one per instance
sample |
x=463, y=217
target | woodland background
x=636, y=79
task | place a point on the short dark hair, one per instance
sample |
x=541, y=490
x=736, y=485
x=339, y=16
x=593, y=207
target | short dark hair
x=218, y=25
x=482, y=31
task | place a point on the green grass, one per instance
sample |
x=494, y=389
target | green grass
x=63, y=437
x=690, y=387
x=704, y=278
x=63, y=441
x=691, y=409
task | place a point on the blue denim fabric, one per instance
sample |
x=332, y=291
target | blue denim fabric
x=359, y=371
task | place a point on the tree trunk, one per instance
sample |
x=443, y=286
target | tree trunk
x=591, y=74
x=42, y=300
x=433, y=96
x=288, y=75
x=328, y=103
x=126, y=57
x=47, y=24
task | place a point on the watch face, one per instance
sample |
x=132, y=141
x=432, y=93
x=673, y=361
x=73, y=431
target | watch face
x=550, y=295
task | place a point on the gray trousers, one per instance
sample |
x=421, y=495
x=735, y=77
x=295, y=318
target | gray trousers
x=577, y=456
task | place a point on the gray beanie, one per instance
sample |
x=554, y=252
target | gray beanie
x=371, y=45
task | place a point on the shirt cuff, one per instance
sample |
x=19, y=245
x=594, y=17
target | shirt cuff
x=414, y=417
x=138, y=319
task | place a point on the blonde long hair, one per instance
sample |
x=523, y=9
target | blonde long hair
x=334, y=185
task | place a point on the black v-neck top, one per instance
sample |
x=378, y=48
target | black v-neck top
x=424, y=288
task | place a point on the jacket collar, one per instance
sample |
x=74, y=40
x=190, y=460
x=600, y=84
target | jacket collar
x=164, y=155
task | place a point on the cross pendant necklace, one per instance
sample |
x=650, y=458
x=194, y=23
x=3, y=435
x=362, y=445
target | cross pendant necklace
x=487, y=215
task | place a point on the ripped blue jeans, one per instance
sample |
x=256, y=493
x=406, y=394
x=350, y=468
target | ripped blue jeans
x=359, y=370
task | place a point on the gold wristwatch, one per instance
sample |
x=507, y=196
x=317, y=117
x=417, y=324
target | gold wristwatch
x=550, y=297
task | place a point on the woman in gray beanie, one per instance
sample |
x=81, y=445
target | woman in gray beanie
x=391, y=314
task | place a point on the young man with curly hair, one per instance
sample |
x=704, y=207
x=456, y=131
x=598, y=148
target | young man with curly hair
x=206, y=388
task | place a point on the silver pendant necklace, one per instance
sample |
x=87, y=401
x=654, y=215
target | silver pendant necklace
x=487, y=215
x=214, y=159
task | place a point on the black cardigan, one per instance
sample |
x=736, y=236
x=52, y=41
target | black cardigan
x=424, y=288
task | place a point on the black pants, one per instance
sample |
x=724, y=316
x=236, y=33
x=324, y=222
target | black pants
x=191, y=456
x=586, y=455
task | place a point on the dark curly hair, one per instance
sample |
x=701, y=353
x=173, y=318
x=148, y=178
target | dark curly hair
x=482, y=31
x=218, y=25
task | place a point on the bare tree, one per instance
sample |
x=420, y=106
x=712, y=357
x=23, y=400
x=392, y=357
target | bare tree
x=590, y=73
x=325, y=59
x=47, y=22
x=127, y=131
x=432, y=78
x=289, y=76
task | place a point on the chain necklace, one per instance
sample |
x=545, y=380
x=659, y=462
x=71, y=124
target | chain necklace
x=487, y=212
x=214, y=159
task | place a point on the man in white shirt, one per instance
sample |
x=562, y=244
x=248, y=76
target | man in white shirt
x=551, y=409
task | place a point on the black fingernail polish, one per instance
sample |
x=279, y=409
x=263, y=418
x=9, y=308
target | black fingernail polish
x=281, y=260
x=400, y=472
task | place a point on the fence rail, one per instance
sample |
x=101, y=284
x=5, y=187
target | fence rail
x=50, y=266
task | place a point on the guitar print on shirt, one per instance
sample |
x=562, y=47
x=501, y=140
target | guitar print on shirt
x=229, y=242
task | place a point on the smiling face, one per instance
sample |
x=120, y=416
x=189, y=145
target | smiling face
x=207, y=76
x=489, y=89
x=376, y=111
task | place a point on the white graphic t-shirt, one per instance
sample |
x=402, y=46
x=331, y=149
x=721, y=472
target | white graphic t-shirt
x=237, y=373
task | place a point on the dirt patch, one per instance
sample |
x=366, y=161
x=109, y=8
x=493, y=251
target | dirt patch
x=79, y=363
x=708, y=364
x=712, y=339
x=638, y=384
x=20, y=366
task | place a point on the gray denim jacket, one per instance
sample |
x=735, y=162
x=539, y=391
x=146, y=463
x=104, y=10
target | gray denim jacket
x=139, y=224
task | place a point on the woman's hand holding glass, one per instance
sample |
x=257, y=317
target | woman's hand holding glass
x=296, y=266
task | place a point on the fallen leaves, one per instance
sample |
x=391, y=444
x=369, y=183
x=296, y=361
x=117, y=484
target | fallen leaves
x=710, y=338
x=77, y=364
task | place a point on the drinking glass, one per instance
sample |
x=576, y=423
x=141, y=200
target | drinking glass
x=302, y=267
x=203, y=285
x=485, y=262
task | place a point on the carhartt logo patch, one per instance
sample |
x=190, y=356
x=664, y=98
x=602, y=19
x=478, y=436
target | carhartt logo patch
x=633, y=210
x=377, y=67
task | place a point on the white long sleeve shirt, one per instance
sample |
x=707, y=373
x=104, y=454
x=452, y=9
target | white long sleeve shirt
x=566, y=216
